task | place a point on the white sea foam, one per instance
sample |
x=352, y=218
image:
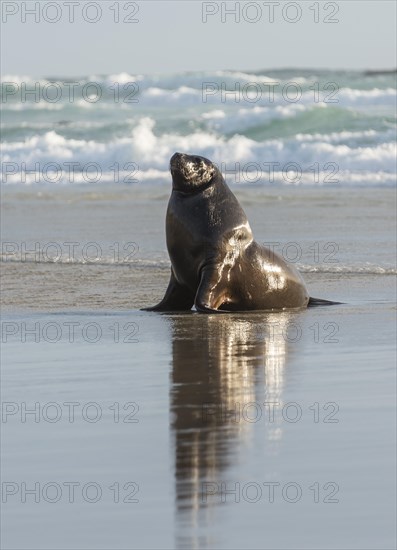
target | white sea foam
x=337, y=137
x=238, y=131
x=152, y=152
x=376, y=96
x=121, y=78
x=260, y=96
x=164, y=264
x=198, y=89
x=354, y=269
x=246, y=118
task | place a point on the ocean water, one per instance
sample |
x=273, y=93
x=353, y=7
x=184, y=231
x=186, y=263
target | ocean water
x=287, y=126
x=248, y=430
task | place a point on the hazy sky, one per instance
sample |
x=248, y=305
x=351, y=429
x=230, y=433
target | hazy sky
x=171, y=36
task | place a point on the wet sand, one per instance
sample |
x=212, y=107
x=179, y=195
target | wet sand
x=202, y=416
x=187, y=430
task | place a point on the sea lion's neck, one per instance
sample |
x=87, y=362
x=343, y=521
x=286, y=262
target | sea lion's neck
x=186, y=188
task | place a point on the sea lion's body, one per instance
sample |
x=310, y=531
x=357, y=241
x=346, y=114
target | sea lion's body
x=217, y=265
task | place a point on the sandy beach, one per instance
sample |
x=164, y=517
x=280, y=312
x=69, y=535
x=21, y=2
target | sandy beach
x=204, y=427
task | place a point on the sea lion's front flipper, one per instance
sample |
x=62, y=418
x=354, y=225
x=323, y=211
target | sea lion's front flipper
x=210, y=294
x=319, y=302
x=176, y=298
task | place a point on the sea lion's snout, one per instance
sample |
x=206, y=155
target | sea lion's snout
x=175, y=161
x=175, y=157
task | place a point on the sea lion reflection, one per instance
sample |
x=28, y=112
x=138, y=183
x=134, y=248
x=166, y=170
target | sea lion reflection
x=223, y=367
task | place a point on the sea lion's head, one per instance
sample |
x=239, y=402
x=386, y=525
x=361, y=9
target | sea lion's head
x=191, y=172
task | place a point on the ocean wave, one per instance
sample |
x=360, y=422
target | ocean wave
x=245, y=118
x=348, y=269
x=31, y=106
x=150, y=151
x=195, y=78
x=212, y=88
x=119, y=78
x=65, y=106
x=350, y=137
x=164, y=264
x=272, y=97
x=376, y=96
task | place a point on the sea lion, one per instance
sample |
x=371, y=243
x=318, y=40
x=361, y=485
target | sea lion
x=217, y=266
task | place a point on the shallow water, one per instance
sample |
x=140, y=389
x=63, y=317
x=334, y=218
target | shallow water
x=232, y=431
x=211, y=410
